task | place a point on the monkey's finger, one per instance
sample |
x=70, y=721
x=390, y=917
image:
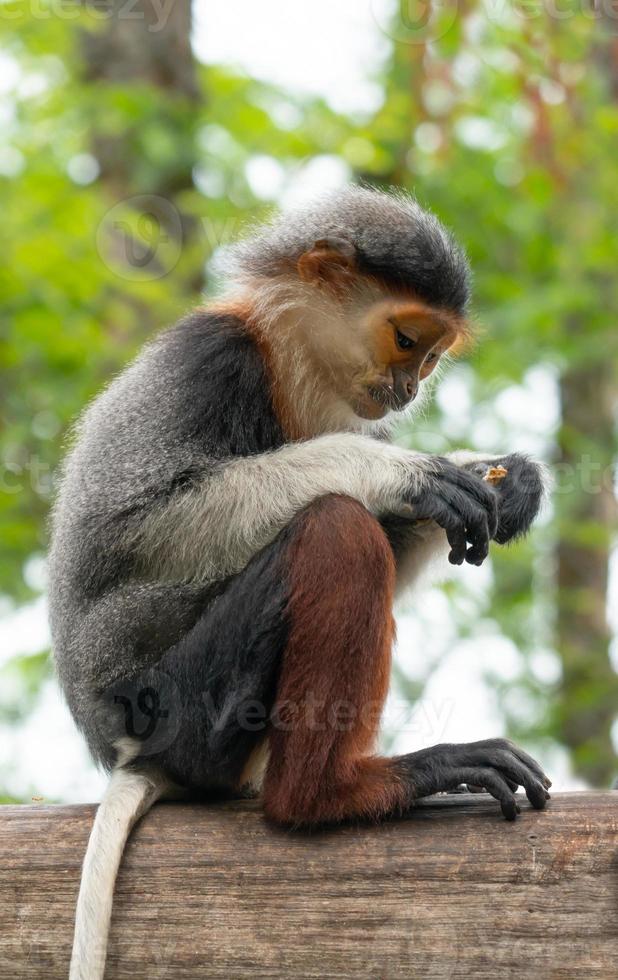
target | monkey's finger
x=512, y=768
x=474, y=789
x=479, y=490
x=475, y=520
x=431, y=506
x=513, y=786
x=495, y=784
x=530, y=763
x=455, y=530
x=502, y=757
x=456, y=537
x=479, y=536
x=535, y=791
x=509, y=782
x=477, y=532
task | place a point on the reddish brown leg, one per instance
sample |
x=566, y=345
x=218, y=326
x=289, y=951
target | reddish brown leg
x=333, y=681
x=335, y=673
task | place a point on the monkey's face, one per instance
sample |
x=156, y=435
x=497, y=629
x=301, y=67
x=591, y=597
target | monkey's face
x=375, y=347
x=404, y=340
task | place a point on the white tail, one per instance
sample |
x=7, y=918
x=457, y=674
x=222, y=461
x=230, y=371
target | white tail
x=128, y=796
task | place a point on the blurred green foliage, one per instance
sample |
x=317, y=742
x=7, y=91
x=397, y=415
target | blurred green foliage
x=506, y=126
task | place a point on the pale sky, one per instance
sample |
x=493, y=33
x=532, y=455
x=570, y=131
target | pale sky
x=328, y=48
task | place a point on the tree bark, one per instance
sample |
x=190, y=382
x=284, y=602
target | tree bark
x=140, y=47
x=586, y=518
x=148, y=158
x=587, y=443
x=212, y=891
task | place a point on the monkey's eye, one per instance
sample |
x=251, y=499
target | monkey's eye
x=404, y=342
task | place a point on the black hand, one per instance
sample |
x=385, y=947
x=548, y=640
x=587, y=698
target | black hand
x=496, y=764
x=465, y=506
x=519, y=493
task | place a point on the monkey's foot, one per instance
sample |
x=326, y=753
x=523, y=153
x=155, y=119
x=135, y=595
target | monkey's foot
x=495, y=764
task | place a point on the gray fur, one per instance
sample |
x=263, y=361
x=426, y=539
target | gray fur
x=124, y=458
x=113, y=522
x=391, y=235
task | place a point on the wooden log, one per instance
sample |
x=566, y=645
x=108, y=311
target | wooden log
x=213, y=891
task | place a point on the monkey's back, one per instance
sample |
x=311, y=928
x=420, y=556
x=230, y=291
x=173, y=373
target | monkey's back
x=194, y=397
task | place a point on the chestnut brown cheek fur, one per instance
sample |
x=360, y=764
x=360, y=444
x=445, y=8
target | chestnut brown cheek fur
x=280, y=403
x=334, y=672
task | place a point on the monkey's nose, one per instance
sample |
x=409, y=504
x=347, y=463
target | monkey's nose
x=411, y=390
x=405, y=387
x=408, y=392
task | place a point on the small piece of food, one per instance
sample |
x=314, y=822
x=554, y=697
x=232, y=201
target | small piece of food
x=495, y=475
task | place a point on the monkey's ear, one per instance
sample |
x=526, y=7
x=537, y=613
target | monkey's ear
x=330, y=262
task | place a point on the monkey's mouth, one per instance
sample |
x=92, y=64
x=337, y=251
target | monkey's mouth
x=374, y=402
x=384, y=396
x=366, y=406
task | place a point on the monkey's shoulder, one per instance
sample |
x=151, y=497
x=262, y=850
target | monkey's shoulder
x=196, y=395
x=217, y=389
